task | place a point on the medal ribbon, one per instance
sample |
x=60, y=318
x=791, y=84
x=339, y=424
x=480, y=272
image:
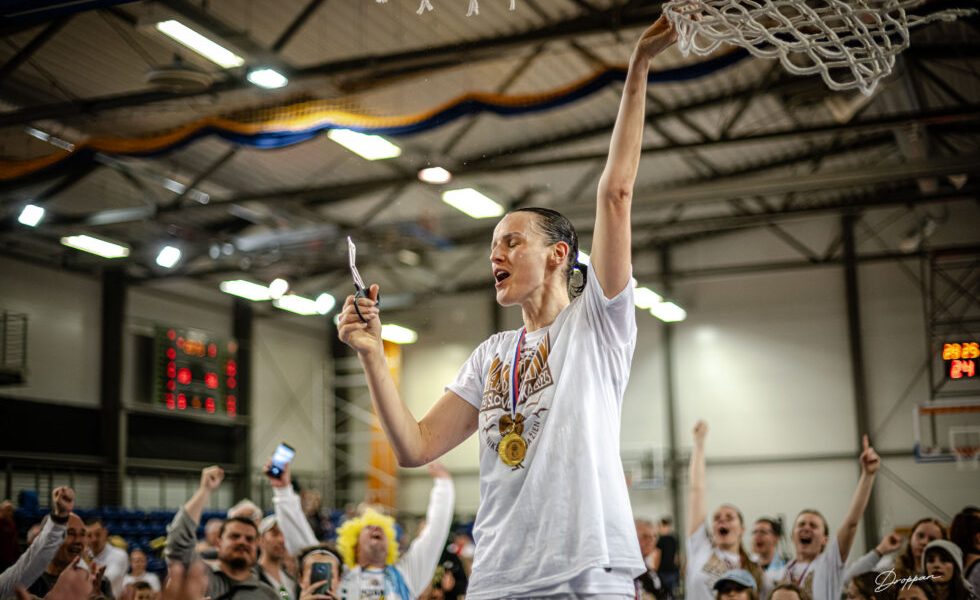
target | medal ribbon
x=515, y=382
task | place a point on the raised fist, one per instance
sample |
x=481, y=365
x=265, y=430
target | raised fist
x=700, y=432
x=889, y=544
x=62, y=501
x=870, y=461
x=211, y=477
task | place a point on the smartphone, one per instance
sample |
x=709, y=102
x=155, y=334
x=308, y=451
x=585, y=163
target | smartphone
x=322, y=571
x=280, y=458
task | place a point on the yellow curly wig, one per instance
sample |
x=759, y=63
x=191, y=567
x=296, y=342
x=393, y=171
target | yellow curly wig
x=348, y=533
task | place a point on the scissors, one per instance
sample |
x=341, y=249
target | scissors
x=360, y=290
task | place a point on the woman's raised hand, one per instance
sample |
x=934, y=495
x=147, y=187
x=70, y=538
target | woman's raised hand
x=363, y=337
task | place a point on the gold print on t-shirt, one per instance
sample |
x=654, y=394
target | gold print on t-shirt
x=498, y=421
x=715, y=568
x=495, y=391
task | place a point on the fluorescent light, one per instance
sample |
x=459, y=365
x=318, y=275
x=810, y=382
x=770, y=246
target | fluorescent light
x=278, y=287
x=210, y=50
x=44, y=136
x=246, y=289
x=325, y=303
x=646, y=298
x=668, y=312
x=31, y=215
x=269, y=79
x=296, y=304
x=371, y=147
x=397, y=334
x=473, y=203
x=436, y=175
x=100, y=247
x=583, y=258
x=168, y=257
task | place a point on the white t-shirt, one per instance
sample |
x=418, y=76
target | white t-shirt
x=821, y=579
x=116, y=563
x=705, y=565
x=563, y=511
x=149, y=578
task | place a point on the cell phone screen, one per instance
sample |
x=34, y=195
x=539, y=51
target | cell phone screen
x=280, y=458
x=322, y=571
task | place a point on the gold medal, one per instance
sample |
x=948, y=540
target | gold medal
x=512, y=449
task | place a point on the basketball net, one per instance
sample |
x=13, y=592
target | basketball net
x=474, y=9
x=851, y=45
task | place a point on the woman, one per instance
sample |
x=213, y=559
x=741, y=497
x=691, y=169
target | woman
x=709, y=556
x=942, y=562
x=818, y=568
x=546, y=400
x=909, y=560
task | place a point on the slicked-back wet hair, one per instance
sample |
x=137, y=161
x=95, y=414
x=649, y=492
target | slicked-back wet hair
x=557, y=228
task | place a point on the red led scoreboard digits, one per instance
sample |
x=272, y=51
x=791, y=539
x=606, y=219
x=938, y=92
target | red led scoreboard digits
x=196, y=373
x=960, y=359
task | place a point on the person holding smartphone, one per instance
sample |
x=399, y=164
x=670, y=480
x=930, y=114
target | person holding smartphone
x=368, y=545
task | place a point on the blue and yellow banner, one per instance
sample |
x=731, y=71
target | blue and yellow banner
x=303, y=121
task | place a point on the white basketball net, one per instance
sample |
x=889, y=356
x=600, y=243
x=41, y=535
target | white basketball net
x=474, y=8
x=851, y=44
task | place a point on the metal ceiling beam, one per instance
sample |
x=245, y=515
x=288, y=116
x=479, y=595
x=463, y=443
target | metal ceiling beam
x=633, y=14
x=33, y=46
x=296, y=25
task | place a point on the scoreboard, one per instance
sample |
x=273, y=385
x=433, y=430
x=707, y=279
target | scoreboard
x=960, y=359
x=195, y=372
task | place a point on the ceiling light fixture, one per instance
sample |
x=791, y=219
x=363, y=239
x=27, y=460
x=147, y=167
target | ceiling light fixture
x=646, y=298
x=325, y=303
x=278, y=288
x=473, y=203
x=31, y=215
x=371, y=147
x=211, y=50
x=296, y=304
x=668, y=312
x=435, y=175
x=168, y=257
x=97, y=246
x=397, y=334
x=245, y=289
x=267, y=78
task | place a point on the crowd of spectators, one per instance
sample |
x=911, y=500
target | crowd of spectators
x=297, y=553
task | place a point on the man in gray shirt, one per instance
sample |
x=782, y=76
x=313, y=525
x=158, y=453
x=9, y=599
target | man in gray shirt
x=234, y=577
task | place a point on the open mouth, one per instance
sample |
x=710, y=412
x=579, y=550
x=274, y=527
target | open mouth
x=722, y=531
x=806, y=540
x=500, y=275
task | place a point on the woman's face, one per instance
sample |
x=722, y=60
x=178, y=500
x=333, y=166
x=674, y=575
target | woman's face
x=939, y=567
x=726, y=528
x=809, y=536
x=520, y=258
x=923, y=534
